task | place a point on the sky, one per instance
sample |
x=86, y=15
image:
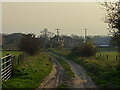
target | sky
x=0, y=17
x=70, y=17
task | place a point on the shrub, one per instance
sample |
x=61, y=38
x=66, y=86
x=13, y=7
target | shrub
x=85, y=50
x=30, y=44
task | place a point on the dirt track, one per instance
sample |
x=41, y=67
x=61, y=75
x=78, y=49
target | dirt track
x=52, y=80
x=81, y=80
x=56, y=76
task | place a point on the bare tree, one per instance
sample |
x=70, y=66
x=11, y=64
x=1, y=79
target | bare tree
x=46, y=34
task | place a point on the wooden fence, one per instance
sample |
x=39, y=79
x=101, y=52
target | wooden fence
x=107, y=57
x=7, y=64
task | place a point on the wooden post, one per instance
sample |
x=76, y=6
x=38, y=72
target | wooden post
x=18, y=60
x=13, y=58
x=107, y=56
x=100, y=55
x=116, y=58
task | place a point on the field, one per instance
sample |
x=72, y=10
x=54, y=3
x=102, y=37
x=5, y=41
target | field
x=14, y=53
x=61, y=51
x=103, y=71
x=31, y=72
x=111, y=54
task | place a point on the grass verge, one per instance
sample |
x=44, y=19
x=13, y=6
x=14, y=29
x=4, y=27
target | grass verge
x=31, y=72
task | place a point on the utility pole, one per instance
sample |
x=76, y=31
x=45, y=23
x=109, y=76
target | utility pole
x=45, y=32
x=85, y=35
x=58, y=31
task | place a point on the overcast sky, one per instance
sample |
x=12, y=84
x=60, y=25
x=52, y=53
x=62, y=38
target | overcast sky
x=70, y=17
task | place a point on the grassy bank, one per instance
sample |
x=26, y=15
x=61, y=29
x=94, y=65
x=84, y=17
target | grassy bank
x=103, y=72
x=31, y=72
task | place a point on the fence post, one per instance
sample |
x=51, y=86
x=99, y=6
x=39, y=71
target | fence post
x=13, y=59
x=107, y=56
x=100, y=55
x=19, y=59
x=116, y=57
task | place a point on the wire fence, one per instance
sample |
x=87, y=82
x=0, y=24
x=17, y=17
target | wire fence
x=107, y=57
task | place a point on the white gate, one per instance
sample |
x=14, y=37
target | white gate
x=6, y=66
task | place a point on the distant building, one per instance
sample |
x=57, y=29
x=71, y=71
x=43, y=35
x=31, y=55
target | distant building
x=56, y=41
x=70, y=42
x=101, y=41
x=64, y=41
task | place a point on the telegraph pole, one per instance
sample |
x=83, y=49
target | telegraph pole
x=58, y=31
x=85, y=35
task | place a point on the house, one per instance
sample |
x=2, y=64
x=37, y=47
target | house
x=101, y=41
x=56, y=41
x=64, y=41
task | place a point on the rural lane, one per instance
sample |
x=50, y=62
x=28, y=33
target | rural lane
x=81, y=79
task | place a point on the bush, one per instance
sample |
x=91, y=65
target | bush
x=30, y=44
x=85, y=50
